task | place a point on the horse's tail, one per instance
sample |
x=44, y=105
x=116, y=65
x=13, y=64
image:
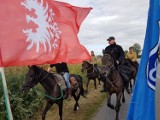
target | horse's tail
x=82, y=91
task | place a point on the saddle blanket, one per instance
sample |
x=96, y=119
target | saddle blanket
x=61, y=82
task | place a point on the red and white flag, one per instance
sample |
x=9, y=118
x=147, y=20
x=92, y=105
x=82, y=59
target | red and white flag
x=40, y=31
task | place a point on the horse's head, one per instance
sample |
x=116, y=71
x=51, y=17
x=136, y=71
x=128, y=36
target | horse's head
x=107, y=64
x=107, y=60
x=31, y=78
x=85, y=65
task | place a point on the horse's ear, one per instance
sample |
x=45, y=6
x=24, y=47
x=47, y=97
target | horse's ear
x=83, y=62
x=29, y=66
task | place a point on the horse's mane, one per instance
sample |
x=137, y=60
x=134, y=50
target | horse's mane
x=36, y=68
x=112, y=57
x=87, y=62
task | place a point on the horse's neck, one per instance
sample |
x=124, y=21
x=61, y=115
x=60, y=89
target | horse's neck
x=90, y=68
x=114, y=74
x=48, y=81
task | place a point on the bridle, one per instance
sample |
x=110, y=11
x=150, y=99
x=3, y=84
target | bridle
x=36, y=80
x=111, y=68
x=87, y=68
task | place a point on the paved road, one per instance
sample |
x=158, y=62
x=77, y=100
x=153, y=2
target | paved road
x=106, y=113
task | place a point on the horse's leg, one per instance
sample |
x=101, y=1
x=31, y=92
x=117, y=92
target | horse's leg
x=131, y=85
x=76, y=98
x=60, y=105
x=109, y=101
x=123, y=98
x=95, y=85
x=99, y=81
x=47, y=107
x=87, y=85
x=134, y=79
x=118, y=104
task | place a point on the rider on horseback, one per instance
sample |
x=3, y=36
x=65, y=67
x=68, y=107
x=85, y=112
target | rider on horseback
x=118, y=54
x=62, y=69
x=93, y=61
x=132, y=56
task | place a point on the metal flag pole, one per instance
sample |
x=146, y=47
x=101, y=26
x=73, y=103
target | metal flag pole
x=5, y=92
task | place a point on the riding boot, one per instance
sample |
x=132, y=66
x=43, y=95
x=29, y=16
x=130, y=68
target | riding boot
x=69, y=94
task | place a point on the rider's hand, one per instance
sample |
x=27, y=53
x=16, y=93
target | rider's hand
x=117, y=62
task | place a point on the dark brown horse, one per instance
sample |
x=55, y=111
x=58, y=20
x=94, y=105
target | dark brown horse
x=92, y=73
x=134, y=68
x=114, y=83
x=54, y=92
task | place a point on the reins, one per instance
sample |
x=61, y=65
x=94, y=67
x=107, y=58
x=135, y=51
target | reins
x=112, y=67
x=43, y=77
x=48, y=96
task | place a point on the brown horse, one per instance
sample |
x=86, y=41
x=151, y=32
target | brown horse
x=114, y=82
x=54, y=92
x=134, y=68
x=92, y=73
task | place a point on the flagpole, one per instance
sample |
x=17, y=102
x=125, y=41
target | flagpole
x=5, y=92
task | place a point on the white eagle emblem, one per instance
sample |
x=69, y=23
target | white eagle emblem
x=47, y=31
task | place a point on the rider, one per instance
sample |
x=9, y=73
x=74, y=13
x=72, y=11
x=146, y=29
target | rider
x=93, y=61
x=118, y=54
x=131, y=55
x=62, y=69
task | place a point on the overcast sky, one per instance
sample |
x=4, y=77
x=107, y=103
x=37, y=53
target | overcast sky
x=124, y=19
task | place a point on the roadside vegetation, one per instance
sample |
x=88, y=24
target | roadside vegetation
x=29, y=106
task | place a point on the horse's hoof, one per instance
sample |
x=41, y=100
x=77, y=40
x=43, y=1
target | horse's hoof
x=99, y=85
x=123, y=100
x=77, y=108
x=117, y=108
x=110, y=106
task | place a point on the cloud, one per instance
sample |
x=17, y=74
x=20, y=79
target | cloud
x=124, y=19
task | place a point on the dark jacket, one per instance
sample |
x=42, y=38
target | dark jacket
x=60, y=67
x=116, y=51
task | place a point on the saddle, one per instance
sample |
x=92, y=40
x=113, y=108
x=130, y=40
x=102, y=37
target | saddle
x=61, y=82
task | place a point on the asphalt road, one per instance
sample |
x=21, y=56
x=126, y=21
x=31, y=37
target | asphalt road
x=106, y=113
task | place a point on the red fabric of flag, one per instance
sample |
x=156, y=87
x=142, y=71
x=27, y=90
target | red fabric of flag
x=40, y=31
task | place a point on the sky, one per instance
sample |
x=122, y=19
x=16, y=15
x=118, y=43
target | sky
x=124, y=19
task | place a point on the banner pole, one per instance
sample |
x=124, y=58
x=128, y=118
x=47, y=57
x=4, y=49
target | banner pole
x=5, y=92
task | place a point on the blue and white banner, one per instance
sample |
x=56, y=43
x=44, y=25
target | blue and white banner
x=142, y=105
